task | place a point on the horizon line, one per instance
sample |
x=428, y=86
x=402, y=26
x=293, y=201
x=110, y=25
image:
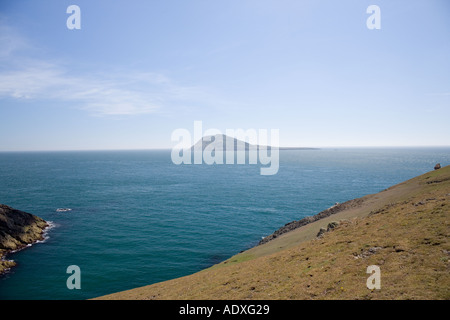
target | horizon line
x=280, y=147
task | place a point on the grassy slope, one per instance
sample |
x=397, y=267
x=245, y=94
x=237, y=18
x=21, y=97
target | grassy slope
x=403, y=229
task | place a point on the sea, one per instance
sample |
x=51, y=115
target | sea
x=132, y=218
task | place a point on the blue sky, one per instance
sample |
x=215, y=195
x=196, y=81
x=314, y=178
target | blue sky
x=138, y=70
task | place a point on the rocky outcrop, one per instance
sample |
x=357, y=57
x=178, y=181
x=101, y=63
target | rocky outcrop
x=17, y=230
x=330, y=227
x=437, y=166
x=338, y=207
x=321, y=232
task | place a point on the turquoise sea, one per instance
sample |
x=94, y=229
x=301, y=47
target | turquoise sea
x=136, y=218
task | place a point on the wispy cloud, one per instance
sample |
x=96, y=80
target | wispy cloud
x=113, y=93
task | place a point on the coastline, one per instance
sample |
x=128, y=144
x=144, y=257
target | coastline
x=19, y=230
x=401, y=229
x=290, y=226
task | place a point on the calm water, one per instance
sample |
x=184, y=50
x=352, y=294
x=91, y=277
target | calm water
x=138, y=219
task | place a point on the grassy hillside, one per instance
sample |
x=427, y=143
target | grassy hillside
x=404, y=230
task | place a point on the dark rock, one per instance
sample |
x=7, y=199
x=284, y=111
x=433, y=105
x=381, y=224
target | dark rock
x=332, y=225
x=321, y=232
x=437, y=166
x=17, y=230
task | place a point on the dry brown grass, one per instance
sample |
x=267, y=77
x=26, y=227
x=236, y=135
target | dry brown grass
x=404, y=230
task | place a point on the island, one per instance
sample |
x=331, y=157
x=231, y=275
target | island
x=222, y=142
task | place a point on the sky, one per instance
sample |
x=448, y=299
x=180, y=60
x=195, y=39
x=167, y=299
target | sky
x=136, y=71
